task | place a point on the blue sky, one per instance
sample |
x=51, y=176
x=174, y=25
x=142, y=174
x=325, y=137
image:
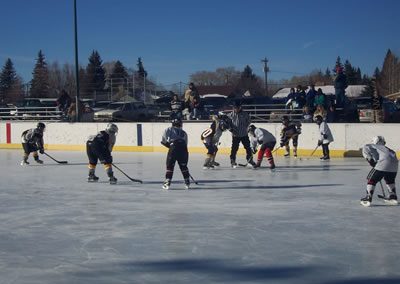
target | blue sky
x=176, y=38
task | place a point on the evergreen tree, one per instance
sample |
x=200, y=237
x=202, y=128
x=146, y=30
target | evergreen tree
x=118, y=78
x=248, y=82
x=350, y=73
x=338, y=64
x=40, y=79
x=8, y=78
x=95, y=75
x=327, y=76
x=141, y=72
x=358, y=76
x=118, y=72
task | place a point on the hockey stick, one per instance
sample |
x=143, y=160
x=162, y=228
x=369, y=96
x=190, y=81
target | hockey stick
x=245, y=165
x=132, y=179
x=383, y=196
x=195, y=182
x=312, y=153
x=276, y=150
x=60, y=162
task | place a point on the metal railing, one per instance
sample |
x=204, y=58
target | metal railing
x=31, y=113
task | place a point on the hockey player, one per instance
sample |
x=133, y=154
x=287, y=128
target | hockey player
x=290, y=130
x=176, y=140
x=385, y=165
x=210, y=138
x=99, y=147
x=325, y=137
x=260, y=136
x=32, y=141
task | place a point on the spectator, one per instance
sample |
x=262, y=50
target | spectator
x=307, y=114
x=320, y=99
x=291, y=99
x=340, y=84
x=330, y=114
x=64, y=101
x=72, y=111
x=310, y=98
x=195, y=106
x=377, y=101
x=191, y=94
x=320, y=111
x=300, y=97
x=176, y=106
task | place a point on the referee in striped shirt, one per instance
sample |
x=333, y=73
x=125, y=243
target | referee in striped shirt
x=240, y=121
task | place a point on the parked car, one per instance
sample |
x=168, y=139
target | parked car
x=390, y=111
x=123, y=111
x=212, y=104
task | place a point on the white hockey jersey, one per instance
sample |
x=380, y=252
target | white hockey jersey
x=325, y=133
x=384, y=157
x=261, y=136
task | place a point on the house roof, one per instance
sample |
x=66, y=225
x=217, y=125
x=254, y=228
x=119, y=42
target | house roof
x=220, y=90
x=351, y=91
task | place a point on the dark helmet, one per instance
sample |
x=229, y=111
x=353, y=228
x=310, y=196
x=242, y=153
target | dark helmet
x=251, y=128
x=176, y=122
x=285, y=119
x=318, y=119
x=112, y=128
x=237, y=104
x=41, y=126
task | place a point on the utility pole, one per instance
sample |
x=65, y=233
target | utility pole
x=266, y=70
x=76, y=62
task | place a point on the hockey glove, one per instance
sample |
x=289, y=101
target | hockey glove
x=372, y=163
x=319, y=142
x=41, y=151
x=166, y=144
x=254, y=150
x=260, y=142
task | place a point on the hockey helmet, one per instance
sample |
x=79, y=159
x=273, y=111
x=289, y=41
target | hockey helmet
x=176, y=122
x=112, y=128
x=318, y=119
x=251, y=129
x=41, y=126
x=379, y=140
x=285, y=119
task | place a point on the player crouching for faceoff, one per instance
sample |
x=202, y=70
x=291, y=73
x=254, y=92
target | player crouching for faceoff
x=290, y=130
x=175, y=139
x=32, y=141
x=99, y=147
x=385, y=165
x=260, y=136
x=325, y=138
x=210, y=138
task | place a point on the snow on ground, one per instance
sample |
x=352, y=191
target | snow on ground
x=301, y=224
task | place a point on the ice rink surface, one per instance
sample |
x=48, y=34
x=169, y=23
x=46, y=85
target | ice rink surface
x=300, y=224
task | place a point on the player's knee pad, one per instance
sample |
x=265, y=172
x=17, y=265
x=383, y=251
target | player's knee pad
x=91, y=166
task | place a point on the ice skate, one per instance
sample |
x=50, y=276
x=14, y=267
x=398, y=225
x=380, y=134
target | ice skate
x=324, y=158
x=38, y=161
x=391, y=200
x=287, y=154
x=366, y=201
x=215, y=164
x=24, y=162
x=92, y=178
x=113, y=180
x=166, y=184
x=272, y=168
x=234, y=164
x=187, y=183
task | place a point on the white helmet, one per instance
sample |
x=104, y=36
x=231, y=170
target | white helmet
x=379, y=140
x=112, y=128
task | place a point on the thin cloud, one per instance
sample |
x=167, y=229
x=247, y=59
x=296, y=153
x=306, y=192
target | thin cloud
x=310, y=44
